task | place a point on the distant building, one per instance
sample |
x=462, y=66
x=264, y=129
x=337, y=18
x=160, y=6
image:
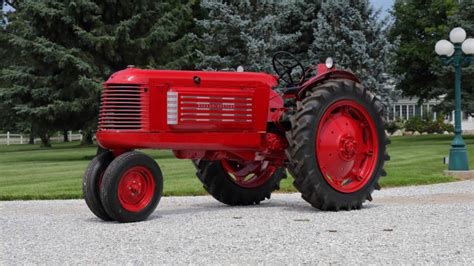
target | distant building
x=406, y=108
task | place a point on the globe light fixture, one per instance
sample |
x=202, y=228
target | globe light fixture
x=458, y=53
x=457, y=35
x=468, y=46
x=444, y=48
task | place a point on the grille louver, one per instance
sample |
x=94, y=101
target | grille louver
x=122, y=107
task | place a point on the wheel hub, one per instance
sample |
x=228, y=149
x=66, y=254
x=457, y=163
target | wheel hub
x=136, y=188
x=346, y=145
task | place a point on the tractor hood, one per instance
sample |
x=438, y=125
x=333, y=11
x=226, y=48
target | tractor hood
x=193, y=78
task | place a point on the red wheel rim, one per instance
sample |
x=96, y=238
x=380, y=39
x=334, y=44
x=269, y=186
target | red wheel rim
x=136, y=188
x=249, y=174
x=346, y=146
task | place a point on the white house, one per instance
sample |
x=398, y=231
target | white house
x=406, y=108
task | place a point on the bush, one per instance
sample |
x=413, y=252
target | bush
x=429, y=126
x=415, y=124
x=393, y=126
x=449, y=128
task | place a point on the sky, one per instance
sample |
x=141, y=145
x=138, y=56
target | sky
x=6, y=8
x=385, y=5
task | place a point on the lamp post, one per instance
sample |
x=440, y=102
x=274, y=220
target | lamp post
x=459, y=52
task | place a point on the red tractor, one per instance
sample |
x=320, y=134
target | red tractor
x=242, y=131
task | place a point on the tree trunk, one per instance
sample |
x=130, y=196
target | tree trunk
x=65, y=135
x=87, y=138
x=32, y=138
x=45, y=139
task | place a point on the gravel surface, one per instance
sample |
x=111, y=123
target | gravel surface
x=423, y=224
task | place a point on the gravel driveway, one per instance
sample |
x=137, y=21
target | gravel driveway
x=424, y=224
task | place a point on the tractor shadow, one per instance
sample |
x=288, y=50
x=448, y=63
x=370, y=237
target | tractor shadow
x=292, y=206
x=217, y=207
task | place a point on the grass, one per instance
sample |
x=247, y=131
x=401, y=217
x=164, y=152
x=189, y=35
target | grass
x=31, y=172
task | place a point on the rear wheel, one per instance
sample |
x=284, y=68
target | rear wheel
x=91, y=182
x=236, y=183
x=132, y=187
x=337, y=146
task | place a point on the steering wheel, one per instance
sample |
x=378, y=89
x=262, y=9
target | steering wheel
x=288, y=68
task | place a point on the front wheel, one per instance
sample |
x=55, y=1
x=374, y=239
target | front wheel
x=239, y=183
x=91, y=182
x=131, y=187
x=337, y=146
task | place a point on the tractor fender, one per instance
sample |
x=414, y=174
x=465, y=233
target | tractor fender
x=332, y=74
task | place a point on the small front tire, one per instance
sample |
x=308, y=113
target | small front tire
x=91, y=184
x=132, y=187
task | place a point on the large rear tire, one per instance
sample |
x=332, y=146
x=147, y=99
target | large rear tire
x=234, y=184
x=337, y=146
x=132, y=187
x=91, y=184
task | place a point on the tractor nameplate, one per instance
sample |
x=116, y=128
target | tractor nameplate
x=190, y=108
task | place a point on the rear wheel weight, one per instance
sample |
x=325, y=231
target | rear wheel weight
x=234, y=184
x=132, y=187
x=337, y=146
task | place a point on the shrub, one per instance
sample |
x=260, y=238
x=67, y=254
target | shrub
x=429, y=126
x=448, y=127
x=393, y=126
x=415, y=124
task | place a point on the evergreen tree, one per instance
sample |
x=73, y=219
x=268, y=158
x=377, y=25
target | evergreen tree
x=301, y=18
x=419, y=25
x=145, y=33
x=51, y=79
x=65, y=49
x=351, y=33
x=248, y=32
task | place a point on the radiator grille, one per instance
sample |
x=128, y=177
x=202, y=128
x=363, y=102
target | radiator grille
x=122, y=107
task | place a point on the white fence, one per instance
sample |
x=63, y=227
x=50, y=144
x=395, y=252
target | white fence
x=10, y=138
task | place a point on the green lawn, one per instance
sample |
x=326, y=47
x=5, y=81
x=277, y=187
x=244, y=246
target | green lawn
x=31, y=172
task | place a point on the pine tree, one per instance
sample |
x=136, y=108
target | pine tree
x=65, y=49
x=351, y=33
x=145, y=33
x=248, y=33
x=301, y=18
x=51, y=80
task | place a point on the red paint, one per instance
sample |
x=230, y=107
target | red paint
x=226, y=112
x=199, y=115
x=346, y=146
x=136, y=188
